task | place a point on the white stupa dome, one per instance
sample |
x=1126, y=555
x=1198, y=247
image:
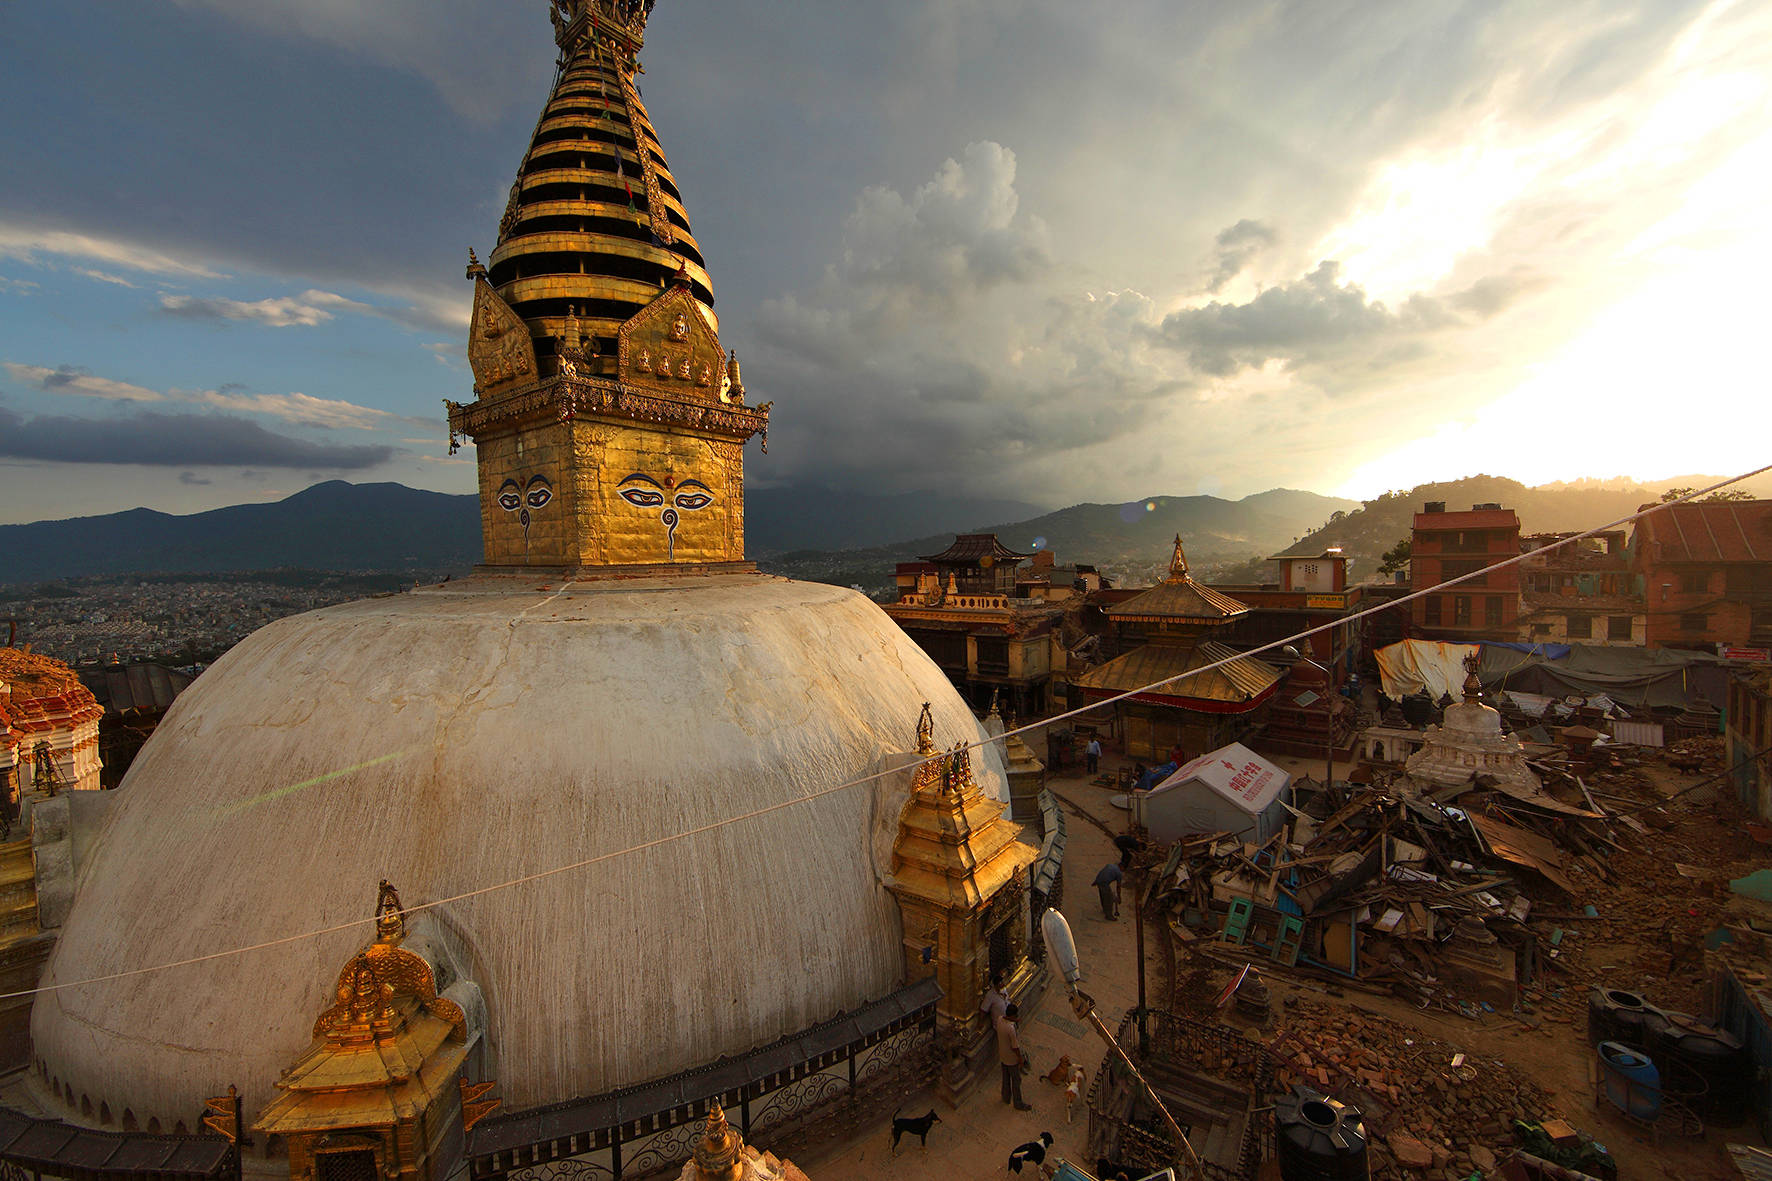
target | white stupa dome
x=479, y=731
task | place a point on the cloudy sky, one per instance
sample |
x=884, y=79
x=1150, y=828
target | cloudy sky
x=1057, y=251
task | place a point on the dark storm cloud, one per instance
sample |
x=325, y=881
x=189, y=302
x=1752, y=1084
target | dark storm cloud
x=1236, y=246
x=173, y=440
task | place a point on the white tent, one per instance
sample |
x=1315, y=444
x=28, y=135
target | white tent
x=1232, y=790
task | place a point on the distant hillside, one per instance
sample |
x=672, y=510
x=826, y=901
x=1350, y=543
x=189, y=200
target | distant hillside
x=390, y=527
x=1379, y=524
x=1130, y=539
x=331, y=526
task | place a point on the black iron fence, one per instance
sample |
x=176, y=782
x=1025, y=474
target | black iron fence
x=773, y=1090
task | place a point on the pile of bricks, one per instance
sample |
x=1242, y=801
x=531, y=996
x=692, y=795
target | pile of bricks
x=1425, y=1117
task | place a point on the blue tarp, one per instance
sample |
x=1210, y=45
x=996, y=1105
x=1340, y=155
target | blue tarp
x=1548, y=651
x=1154, y=776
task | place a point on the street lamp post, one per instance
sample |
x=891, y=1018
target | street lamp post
x=1061, y=950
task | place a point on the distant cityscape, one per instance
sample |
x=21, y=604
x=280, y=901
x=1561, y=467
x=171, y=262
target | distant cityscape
x=179, y=620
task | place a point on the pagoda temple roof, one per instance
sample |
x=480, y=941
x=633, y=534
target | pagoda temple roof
x=1182, y=599
x=1179, y=597
x=1236, y=687
x=975, y=547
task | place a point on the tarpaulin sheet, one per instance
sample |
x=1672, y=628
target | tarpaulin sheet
x=1412, y=665
x=1633, y=677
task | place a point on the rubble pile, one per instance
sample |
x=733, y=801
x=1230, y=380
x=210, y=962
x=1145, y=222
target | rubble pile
x=1428, y=1107
x=1402, y=892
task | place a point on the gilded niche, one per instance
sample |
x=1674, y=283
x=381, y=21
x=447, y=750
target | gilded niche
x=670, y=347
x=500, y=350
x=660, y=497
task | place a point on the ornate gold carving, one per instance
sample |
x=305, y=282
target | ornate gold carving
x=499, y=348
x=390, y=916
x=474, y=1105
x=662, y=229
x=668, y=341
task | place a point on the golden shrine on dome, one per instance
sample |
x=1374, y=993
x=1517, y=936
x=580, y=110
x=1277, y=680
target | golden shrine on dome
x=609, y=423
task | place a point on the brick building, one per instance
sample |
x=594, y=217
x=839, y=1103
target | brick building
x=1582, y=592
x=1445, y=545
x=1706, y=572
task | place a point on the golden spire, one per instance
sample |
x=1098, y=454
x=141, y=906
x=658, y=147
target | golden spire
x=609, y=423
x=390, y=916
x=719, y=1154
x=1177, y=563
x=926, y=733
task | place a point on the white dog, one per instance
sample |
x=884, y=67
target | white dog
x=1073, y=1090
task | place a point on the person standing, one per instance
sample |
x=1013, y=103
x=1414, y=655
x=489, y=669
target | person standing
x=1092, y=752
x=1107, y=884
x=995, y=1002
x=1010, y=1057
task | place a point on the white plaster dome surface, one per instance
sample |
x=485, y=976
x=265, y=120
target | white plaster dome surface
x=480, y=731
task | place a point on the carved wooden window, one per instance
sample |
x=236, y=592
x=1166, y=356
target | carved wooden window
x=354, y=1164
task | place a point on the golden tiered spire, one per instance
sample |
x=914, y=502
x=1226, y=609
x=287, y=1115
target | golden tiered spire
x=1177, y=563
x=609, y=420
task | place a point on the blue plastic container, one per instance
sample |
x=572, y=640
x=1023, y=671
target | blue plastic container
x=1633, y=1084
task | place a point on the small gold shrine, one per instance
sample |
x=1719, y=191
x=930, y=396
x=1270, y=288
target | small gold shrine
x=377, y=1095
x=959, y=868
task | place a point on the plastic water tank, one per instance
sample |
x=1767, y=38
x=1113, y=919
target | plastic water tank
x=1714, y=1055
x=1632, y=1082
x=1616, y=1015
x=1319, y=1138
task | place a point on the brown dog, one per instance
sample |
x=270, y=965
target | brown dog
x=1060, y=1075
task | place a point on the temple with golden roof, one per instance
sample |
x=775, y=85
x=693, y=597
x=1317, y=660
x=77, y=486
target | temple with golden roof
x=651, y=811
x=1165, y=635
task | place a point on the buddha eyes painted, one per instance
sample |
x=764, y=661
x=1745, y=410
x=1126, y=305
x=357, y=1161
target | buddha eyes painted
x=520, y=498
x=642, y=491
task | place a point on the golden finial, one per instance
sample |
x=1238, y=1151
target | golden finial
x=735, y=383
x=390, y=916
x=1473, y=685
x=572, y=338
x=718, y=1154
x=475, y=270
x=1178, y=562
x=926, y=733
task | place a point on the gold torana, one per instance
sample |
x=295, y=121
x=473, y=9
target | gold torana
x=610, y=424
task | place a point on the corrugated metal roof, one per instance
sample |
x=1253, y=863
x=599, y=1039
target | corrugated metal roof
x=150, y=688
x=1717, y=531
x=1245, y=681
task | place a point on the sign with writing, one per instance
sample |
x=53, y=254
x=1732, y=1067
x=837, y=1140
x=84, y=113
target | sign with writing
x=1756, y=654
x=1332, y=602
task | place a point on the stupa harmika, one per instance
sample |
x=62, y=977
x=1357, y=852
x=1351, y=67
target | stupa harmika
x=614, y=674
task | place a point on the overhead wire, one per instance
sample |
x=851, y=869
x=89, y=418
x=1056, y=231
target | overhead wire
x=756, y=813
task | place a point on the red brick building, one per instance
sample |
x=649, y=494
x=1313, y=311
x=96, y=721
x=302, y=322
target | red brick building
x=1707, y=574
x=1445, y=545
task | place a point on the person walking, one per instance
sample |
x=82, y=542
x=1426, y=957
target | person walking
x=1107, y=884
x=1011, y=1058
x=1092, y=752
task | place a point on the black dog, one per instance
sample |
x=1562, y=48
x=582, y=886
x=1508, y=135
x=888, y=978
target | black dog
x=1032, y=1153
x=918, y=1127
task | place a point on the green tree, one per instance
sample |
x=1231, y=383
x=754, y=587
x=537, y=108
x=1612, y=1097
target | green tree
x=1673, y=494
x=1395, y=558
